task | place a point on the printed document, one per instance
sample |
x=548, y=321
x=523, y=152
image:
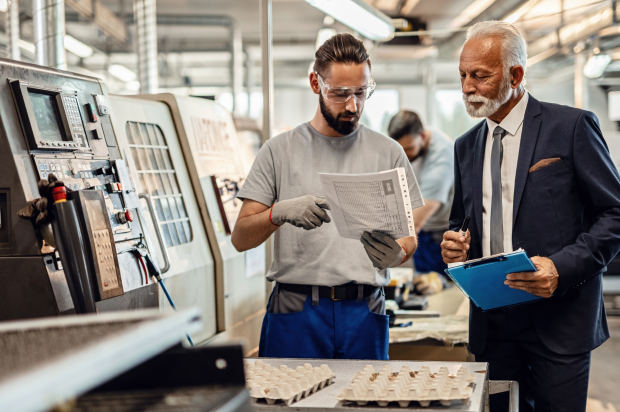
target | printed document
x=365, y=202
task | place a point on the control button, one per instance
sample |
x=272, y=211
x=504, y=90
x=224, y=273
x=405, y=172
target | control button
x=105, y=283
x=92, y=113
x=129, y=215
x=105, y=170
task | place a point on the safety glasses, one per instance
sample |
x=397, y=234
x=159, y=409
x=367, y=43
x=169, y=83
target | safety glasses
x=342, y=94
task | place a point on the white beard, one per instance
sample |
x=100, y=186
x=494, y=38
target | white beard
x=489, y=106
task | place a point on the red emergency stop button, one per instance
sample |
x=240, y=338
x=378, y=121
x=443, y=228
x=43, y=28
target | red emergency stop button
x=59, y=193
x=128, y=215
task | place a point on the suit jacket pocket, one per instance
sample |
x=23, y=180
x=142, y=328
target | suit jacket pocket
x=546, y=171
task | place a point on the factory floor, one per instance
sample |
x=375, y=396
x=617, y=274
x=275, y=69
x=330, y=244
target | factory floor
x=604, y=395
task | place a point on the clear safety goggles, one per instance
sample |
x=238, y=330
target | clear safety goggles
x=342, y=94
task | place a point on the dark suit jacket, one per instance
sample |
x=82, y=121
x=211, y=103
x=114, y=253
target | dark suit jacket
x=568, y=211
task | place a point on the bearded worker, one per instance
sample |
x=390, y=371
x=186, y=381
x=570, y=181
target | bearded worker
x=328, y=300
x=536, y=176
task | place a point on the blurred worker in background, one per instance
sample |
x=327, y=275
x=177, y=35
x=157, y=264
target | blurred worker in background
x=536, y=176
x=328, y=300
x=431, y=154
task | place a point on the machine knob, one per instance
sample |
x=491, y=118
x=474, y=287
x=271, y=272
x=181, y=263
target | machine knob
x=105, y=170
x=121, y=218
x=128, y=215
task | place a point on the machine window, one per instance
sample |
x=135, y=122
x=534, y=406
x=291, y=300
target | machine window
x=158, y=178
x=46, y=112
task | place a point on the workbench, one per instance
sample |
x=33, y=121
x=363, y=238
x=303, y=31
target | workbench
x=326, y=398
x=436, y=338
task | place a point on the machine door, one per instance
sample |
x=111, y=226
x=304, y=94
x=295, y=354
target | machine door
x=148, y=141
x=214, y=155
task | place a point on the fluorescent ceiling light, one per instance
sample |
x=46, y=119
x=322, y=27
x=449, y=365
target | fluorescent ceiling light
x=359, y=16
x=121, y=72
x=77, y=47
x=596, y=65
x=471, y=12
x=324, y=35
x=521, y=11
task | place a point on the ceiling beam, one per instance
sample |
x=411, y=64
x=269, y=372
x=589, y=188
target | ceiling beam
x=104, y=18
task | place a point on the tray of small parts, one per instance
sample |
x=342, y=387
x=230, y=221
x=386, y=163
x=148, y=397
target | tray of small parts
x=450, y=386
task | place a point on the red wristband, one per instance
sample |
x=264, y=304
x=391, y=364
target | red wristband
x=271, y=210
x=405, y=258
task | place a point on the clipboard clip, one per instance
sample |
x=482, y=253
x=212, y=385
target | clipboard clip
x=485, y=261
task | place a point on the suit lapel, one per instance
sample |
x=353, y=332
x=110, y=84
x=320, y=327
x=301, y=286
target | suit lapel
x=529, y=137
x=479, y=149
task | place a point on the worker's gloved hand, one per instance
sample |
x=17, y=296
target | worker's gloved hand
x=308, y=212
x=428, y=284
x=383, y=251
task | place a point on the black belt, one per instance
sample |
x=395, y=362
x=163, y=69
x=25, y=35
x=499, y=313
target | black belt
x=343, y=292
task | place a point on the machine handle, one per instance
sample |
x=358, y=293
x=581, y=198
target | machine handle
x=160, y=237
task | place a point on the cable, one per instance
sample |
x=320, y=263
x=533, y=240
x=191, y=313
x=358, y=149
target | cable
x=154, y=271
x=146, y=273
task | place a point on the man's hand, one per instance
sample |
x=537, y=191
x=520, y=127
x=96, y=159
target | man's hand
x=307, y=212
x=454, y=247
x=541, y=283
x=383, y=251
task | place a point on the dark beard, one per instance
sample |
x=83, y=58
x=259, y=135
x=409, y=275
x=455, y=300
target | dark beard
x=341, y=127
x=420, y=154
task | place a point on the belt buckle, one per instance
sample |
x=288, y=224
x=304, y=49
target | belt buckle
x=334, y=294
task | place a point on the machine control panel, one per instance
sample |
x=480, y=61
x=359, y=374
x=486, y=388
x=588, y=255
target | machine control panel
x=50, y=117
x=104, y=259
x=94, y=211
x=82, y=174
x=75, y=119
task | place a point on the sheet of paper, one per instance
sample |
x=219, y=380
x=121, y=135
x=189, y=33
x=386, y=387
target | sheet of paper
x=455, y=264
x=367, y=202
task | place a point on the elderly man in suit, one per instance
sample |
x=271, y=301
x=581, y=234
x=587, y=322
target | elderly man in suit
x=536, y=176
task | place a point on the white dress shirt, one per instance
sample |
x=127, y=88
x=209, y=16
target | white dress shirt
x=513, y=124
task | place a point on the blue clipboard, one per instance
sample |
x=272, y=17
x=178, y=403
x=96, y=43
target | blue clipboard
x=482, y=280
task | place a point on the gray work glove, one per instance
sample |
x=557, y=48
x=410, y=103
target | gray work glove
x=307, y=212
x=383, y=251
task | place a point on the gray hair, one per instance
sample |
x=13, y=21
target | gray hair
x=513, y=46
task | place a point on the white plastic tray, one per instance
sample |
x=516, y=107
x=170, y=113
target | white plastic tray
x=345, y=370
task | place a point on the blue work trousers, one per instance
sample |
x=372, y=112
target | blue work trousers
x=428, y=257
x=345, y=329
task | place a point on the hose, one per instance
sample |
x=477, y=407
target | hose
x=154, y=271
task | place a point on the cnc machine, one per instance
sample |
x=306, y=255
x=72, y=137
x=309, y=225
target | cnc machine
x=58, y=122
x=201, y=135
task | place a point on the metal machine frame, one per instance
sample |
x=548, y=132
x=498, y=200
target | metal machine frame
x=190, y=278
x=57, y=122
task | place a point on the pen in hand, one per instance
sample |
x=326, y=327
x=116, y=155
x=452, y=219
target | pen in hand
x=464, y=226
x=463, y=232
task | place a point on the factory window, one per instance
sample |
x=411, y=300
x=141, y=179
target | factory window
x=159, y=179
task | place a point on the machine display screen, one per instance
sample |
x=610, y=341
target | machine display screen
x=46, y=113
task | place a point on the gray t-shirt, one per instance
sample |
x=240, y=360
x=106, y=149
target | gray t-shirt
x=288, y=166
x=435, y=172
